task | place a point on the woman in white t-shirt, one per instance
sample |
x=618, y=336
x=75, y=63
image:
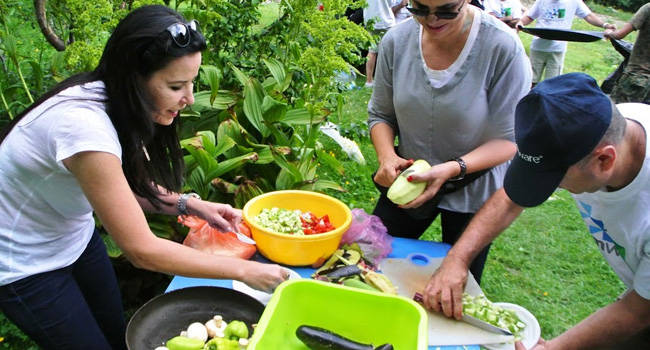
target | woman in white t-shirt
x=105, y=142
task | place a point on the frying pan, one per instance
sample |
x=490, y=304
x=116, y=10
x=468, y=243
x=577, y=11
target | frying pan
x=564, y=34
x=166, y=315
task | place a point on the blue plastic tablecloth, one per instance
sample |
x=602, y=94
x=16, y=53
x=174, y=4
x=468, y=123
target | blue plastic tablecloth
x=402, y=247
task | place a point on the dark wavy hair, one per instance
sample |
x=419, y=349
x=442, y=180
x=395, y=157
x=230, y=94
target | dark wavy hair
x=139, y=46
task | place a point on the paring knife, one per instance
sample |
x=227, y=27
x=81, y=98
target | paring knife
x=242, y=237
x=484, y=325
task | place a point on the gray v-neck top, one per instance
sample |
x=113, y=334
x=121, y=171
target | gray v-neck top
x=476, y=105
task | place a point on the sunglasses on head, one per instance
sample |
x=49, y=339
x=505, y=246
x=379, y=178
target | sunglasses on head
x=180, y=32
x=425, y=11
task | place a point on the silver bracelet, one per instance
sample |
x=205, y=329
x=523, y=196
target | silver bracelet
x=605, y=25
x=182, y=202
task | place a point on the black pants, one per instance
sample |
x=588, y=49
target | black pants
x=400, y=224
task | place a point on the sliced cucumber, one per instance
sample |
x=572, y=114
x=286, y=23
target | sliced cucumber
x=480, y=307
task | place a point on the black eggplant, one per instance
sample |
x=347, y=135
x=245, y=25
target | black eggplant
x=317, y=338
x=342, y=271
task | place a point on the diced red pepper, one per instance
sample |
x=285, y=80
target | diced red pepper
x=315, y=225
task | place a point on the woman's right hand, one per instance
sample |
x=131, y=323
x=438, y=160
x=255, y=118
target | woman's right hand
x=265, y=277
x=390, y=168
x=435, y=177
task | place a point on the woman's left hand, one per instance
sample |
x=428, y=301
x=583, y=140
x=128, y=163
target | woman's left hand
x=435, y=178
x=218, y=215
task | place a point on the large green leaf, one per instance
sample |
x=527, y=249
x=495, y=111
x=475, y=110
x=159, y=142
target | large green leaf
x=279, y=136
x=208, y=140
x=223, y=100
x=301, y=116
x=198, y=183
x=230, y=164
x=238, y=74
x=253, y=98
x=212, y=76
x=38, y=73
x=277, y=71
x=230, y=128
x=330, y=160
x=225, y=143
x=272, y=110
x=281, y=161
x=321, y=185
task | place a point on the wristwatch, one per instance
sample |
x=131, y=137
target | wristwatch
x=463, y=169
x=182, y=202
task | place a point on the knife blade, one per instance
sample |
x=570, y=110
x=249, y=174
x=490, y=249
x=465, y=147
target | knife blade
x=484, y=325
x=242, y=237
x=407, y=172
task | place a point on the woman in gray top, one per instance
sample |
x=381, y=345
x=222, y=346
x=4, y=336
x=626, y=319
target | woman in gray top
x=447, y=83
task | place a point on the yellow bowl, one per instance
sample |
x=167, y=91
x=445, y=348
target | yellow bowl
x=291, y=249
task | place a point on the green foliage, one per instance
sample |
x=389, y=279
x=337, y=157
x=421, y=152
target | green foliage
x=253, y=141
x=626, y=5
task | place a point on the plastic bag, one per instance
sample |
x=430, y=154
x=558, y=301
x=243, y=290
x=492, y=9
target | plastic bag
x=370, y=234
x=208, y=239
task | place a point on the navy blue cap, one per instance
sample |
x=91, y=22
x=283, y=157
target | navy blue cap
x=557, y=124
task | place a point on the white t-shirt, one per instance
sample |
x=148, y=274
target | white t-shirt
x=439, y=78
x=402, y=14
x=381, y=10
x=46, y=219
x=556, y=14
x=503, y=8
x=619, y=221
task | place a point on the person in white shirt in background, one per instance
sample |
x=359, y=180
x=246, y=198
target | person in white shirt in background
x=548, y=55
x=387, y=13
x=507, y=11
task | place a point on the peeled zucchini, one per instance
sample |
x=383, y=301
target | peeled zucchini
x=402, y=191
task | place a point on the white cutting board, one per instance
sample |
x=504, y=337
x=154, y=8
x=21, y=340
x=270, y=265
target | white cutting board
x=411, y=275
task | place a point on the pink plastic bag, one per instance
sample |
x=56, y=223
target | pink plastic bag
x=370, y=234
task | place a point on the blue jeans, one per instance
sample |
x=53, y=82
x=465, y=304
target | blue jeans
x=76, y=307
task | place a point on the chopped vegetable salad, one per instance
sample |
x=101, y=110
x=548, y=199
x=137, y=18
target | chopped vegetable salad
x=293, y=222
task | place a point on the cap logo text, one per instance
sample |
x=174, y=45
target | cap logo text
x=529, y=158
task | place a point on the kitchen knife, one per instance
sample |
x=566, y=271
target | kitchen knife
x=484, y=325
x=243, y=238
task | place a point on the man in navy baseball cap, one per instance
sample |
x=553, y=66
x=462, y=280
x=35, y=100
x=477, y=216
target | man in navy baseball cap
x=557, y=124
x=570, y=135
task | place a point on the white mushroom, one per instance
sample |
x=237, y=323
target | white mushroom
x=161, y=348
x=197, y=331
x=216, y=327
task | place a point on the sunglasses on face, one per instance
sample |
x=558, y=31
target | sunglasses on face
x=180, y=32
x=425, y=11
